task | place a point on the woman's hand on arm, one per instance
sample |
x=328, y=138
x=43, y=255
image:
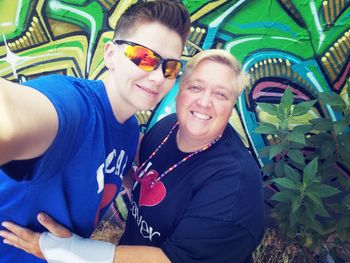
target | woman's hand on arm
x=28, y=240
x=62, y=246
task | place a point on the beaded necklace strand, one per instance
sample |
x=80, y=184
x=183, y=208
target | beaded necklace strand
x=171, y=168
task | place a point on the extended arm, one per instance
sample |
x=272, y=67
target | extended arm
x=28, y=122
x=73, y=248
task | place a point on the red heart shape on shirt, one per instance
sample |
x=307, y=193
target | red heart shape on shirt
x=151, y=194
x=109, y=192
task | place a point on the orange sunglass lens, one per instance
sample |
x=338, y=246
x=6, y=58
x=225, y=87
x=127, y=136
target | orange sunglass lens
x=172, y=69
x=142, y=57
x=146, y=60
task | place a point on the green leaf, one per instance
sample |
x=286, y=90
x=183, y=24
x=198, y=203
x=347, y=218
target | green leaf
x=344, y=154
x=303, y=107
x=296, y=203
x=334, y=100
x=322, y=124
x=296, y=156
x=284, y=196
x=296, y=146
x=268, y=168
x=319, y=139
x=346, y=201
x=286, y=183
x=323, y=190
x=282, y=210
x=317, y=201
x=279, y=168
x=328, y=148
x=265, y=128
x=294, y=217
x=312, y=222
x=268, y=107
x=315, y=225
x=340, y=126
x=296, y=137
x=287, y=99
x=292, y=174
x=305, y=128
x=264, y=152
x=310, y=171
x=275, y=149
x=344, y=222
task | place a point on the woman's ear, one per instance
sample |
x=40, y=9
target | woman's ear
x=109, y=53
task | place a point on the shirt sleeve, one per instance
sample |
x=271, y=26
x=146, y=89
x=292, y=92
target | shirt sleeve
x=71, y=105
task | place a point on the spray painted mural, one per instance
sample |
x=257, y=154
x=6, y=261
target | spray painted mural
x=303, y=44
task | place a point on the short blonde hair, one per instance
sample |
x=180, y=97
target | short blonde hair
x=223, y=57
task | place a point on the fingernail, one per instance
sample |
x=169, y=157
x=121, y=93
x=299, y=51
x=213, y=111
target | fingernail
x=41, y=219
x=4, y=224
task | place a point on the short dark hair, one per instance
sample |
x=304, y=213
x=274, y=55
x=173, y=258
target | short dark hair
x=170, y=13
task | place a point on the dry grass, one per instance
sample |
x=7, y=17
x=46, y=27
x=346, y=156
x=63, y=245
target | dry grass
x=109, y=229
x=108, y=232
x=274, y=249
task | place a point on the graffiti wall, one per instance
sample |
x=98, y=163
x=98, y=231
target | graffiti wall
x=303, y=44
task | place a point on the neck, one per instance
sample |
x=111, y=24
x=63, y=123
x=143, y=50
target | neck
x=189, y=144
x=121, y=109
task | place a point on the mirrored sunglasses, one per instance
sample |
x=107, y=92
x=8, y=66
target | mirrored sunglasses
x=148, y=60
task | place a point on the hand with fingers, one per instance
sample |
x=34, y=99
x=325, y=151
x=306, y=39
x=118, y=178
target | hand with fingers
x=28, y=240
x=59, y=246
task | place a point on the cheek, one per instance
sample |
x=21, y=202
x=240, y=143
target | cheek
x=185, y=99
x=224, y=111
x=180, y=104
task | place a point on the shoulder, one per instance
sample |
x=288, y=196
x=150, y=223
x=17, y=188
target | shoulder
x=62, y=81
x=236, y=150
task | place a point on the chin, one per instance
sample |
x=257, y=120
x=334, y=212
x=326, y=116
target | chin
x=197, y=133
x=146, y=105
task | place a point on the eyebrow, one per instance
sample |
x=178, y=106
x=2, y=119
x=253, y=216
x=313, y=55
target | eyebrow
x=216, y=86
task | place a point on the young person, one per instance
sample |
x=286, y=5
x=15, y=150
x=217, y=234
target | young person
x=66, y=142
x=198, y=192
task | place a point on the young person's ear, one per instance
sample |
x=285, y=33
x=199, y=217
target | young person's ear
x=109, y=53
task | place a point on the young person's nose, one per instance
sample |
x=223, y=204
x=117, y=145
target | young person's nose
x=157, y=75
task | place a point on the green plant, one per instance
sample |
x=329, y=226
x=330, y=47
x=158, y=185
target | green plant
x=307, y=170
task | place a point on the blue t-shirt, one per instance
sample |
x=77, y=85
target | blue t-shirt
x=210, y=208
x=80, y=174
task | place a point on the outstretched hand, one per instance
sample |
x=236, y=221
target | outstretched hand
x=28, y=240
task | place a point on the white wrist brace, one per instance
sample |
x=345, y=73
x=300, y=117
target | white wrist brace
x=75, y=249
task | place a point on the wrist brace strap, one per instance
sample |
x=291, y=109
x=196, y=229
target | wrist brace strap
x=75, y=249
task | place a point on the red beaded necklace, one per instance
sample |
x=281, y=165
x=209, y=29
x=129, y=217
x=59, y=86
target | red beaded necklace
x=171, y=168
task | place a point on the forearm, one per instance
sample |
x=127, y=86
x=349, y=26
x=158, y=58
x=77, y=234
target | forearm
x=136, y=254
x=79, y=250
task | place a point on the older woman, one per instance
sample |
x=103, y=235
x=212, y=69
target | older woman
x=198, y=192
